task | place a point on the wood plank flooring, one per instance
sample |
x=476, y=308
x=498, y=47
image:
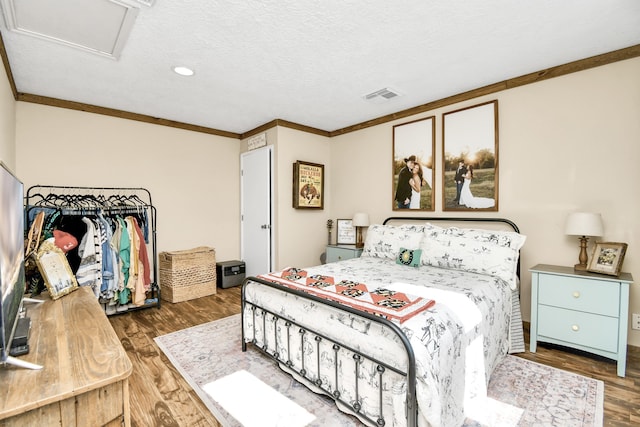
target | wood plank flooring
x=161, y=397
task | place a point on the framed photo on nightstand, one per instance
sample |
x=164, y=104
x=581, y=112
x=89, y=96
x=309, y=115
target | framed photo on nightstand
x=607, y=258
x=346, y=234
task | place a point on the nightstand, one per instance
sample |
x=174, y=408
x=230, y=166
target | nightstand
x=342, y=252
x=582, y=310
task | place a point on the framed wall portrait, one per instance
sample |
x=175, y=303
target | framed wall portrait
x=413, y=170
x=308, y=185
x=55, y=270
x=607, y=258
x=470, y=158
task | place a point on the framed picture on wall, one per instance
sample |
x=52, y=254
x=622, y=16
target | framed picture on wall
x=413, y=170
x=470, y=163
x=607, y=258
x=308, y=185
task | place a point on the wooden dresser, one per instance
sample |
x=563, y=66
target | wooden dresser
x=85, y=375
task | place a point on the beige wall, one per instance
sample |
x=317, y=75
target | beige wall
x=301, y=233
x=7, y=124
x=192, y=177
x=569, y=143
x=566, y=144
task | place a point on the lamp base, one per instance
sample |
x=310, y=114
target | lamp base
x=359, y=241
x=583, y=258
x=580, y=267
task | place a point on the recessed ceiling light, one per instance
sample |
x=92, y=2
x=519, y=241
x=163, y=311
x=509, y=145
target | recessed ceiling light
x=183, y=71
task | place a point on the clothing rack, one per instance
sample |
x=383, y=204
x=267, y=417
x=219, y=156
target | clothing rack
x=108, y=201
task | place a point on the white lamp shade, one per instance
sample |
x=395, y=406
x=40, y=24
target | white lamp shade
x=584, y=224
x=360, y=220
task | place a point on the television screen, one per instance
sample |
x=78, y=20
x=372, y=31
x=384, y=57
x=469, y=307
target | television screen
x=12, y=276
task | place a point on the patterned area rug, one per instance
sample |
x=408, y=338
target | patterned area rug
x=209, y=356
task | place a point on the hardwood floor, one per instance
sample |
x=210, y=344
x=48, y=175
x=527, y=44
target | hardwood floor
x=161, y=397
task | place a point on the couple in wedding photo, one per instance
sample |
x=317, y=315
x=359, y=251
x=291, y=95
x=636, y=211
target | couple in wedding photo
x=463, y=178
x=411, y=179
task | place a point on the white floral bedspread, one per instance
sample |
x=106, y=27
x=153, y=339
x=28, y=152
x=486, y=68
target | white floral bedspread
x=457, y=343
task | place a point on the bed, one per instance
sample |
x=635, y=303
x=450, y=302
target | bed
x=406, y=335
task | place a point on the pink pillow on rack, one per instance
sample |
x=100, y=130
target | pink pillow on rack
x=64, y=240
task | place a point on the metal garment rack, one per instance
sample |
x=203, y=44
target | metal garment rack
x=87, y=201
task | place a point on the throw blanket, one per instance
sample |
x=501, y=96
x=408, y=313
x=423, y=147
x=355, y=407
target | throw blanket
x=389, y=304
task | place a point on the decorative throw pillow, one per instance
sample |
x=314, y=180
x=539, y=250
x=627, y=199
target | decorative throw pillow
x=488, y=252
x=385, y=241
x=410, y=257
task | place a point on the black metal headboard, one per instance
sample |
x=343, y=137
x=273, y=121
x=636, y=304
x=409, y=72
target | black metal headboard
x=452, y=219
x=476, y=220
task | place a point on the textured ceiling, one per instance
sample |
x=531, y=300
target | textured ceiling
x=311, y=62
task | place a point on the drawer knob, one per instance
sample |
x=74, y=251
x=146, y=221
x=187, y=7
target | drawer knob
x=576, y=294
x=575, y=328
x=339, y=257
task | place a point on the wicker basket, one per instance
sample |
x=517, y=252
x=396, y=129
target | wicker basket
x=188, y=274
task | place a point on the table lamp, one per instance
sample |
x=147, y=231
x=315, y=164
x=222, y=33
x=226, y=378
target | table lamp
x=583, y=224
x=359, y=221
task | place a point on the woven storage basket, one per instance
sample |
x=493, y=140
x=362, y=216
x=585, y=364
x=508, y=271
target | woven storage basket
x=187, y=274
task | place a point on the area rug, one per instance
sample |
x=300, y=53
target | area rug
x=233, y=385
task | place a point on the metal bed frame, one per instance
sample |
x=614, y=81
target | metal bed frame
x=260, y=342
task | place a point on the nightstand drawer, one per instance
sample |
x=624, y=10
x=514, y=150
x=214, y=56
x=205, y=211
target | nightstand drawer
x=590, y=330
x=341, y=253
x=576, y=293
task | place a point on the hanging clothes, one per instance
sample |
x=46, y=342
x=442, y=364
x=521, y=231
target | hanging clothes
x=125, y=262
x=109, y=259
x=90, y=251
x=115, y=228
x=143, y=255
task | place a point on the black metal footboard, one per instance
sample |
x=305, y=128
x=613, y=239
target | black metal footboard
x=299, y=344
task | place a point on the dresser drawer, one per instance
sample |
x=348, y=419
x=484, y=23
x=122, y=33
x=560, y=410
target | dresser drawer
x=580, y=294
x=590, y=330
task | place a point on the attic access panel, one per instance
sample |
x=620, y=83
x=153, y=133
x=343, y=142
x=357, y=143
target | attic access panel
x=98, y=26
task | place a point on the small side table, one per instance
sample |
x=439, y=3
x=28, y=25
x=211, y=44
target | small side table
x=342, y=252
x=582, y=310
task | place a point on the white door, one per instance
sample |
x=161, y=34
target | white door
x=256, y=210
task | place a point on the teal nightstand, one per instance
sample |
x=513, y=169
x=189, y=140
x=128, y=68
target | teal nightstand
x=342, y=252
x=582, y=310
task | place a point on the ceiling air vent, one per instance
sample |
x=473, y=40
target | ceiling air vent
x=98, y=26
x=382, y=95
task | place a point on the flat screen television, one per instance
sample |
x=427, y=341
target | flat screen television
x=12, y=274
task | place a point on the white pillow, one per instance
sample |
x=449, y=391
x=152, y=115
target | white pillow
x=488, y=252
x=385, y=241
